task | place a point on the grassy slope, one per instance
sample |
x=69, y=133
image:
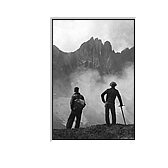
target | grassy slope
x=117, y=131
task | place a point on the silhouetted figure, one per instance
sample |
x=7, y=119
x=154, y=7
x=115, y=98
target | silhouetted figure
x=110, y=102
x=77, y=104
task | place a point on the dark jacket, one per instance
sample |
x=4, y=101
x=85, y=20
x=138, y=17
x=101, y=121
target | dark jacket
x=111, y=95
x=75, y=96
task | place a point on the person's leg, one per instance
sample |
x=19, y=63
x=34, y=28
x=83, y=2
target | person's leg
x=70, y=120
x=113, y=113
x=107, y=115
x=78, y=118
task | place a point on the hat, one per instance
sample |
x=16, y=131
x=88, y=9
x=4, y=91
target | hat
x=113, y=84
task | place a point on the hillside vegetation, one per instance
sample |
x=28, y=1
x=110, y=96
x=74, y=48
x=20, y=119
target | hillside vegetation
x=117, y=131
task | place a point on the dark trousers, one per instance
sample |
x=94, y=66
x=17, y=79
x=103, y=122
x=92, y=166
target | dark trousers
x=77, y=114
x=113, y=113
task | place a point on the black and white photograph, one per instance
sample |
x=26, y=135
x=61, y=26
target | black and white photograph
x=93, y=81
x=83, y=84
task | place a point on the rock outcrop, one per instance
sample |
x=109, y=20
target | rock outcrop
x=92, y=54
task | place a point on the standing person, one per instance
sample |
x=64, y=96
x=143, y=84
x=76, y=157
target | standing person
x=77, y=104
x=110, y=102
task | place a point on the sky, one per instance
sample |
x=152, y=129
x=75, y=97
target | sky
x=68, y=35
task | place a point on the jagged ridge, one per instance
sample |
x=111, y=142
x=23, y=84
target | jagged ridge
x=92, y=54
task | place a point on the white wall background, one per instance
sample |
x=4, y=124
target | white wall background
x=25, y=87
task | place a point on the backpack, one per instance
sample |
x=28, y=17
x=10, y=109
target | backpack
x=79, y=103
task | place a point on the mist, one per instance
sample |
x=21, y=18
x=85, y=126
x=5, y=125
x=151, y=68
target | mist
x=91, y=85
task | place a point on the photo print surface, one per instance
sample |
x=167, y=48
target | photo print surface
x=93, y=60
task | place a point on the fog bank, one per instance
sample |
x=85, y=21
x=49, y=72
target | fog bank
x=91, y=86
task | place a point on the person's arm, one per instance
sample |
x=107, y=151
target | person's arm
x=82, y=97
x=119, y=98
x=72, y=102
x=102, y=96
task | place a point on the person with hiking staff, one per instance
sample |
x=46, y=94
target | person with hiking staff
x=77, y=104
x=111, y=94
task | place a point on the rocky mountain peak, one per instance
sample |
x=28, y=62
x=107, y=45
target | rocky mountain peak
x=92, y=54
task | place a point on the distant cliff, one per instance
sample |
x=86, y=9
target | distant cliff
x=92, y=54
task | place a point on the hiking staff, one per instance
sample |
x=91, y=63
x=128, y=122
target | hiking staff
x=123, y=114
